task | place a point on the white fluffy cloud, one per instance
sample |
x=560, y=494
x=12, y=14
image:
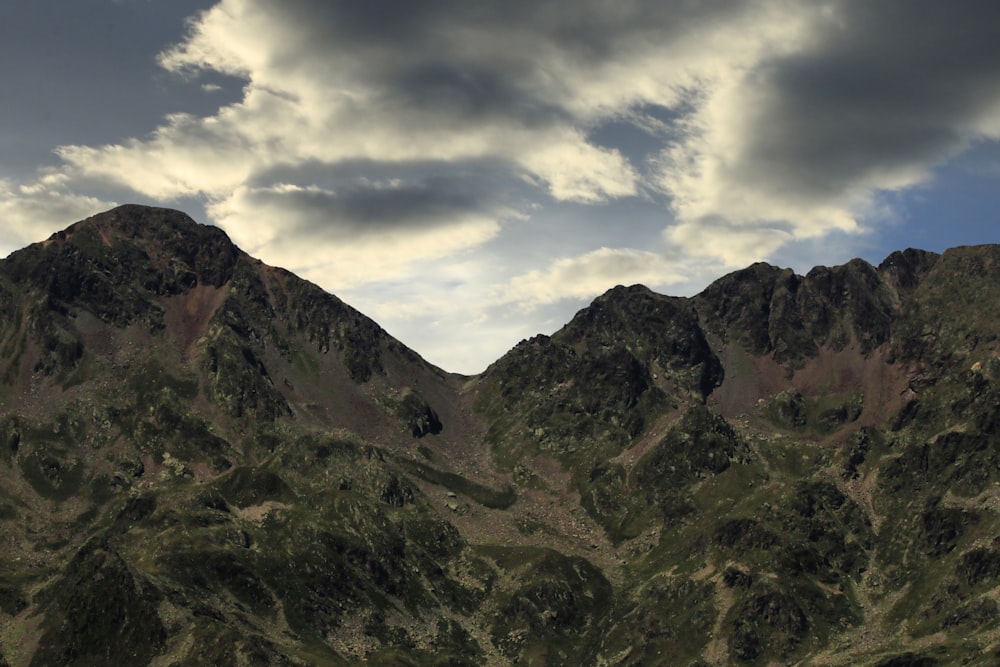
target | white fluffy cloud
x=591, y=274
x=733, y=245
x=30, y=213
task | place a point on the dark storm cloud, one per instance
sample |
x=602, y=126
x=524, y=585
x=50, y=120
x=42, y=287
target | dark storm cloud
x=885, y=86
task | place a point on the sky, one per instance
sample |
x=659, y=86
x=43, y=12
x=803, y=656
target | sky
x=470, y=174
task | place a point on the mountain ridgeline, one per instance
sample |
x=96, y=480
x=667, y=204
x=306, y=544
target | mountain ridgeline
x=207, y=460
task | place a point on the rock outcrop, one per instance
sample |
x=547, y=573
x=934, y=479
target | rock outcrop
x=207, y=460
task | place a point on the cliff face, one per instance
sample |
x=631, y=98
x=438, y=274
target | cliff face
x=206, y=460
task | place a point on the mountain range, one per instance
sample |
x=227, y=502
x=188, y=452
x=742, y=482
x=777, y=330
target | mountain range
x=206, y=460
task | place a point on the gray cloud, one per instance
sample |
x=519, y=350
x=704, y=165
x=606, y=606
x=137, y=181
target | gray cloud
x=471, y=59
x=471, y=91
x=374, y=199
x=888, y=85
x=368, y=197
x=591, y=29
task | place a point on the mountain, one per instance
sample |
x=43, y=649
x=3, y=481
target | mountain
x=207, y=460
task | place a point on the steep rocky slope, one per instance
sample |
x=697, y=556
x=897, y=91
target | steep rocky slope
x=206, y=460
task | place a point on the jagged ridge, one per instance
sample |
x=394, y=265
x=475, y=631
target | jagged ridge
x=208, y=460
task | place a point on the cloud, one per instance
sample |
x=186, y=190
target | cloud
x=365, y=233
x=31, y=212
x=870, y=100
x=375, y=142
x=443, y=309
x=591, y=274
x=520, y=84
x=329, y=82
x=336, y=85
x=732, y=245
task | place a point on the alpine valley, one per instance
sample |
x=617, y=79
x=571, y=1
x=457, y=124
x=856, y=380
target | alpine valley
x=205, y=460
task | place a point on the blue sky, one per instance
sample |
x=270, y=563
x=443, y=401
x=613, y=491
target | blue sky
x=470, y=174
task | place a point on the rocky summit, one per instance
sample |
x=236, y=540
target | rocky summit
x=205, y=460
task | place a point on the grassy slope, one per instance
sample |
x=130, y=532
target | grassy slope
x=206, y=460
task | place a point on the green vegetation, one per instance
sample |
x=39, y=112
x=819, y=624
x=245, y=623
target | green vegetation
x=205, y=460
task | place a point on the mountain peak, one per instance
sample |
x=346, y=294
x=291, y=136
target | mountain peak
x=136, y=221
x=158, y=268
x=129, y=251
x=164, y=237
x=205, y=460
